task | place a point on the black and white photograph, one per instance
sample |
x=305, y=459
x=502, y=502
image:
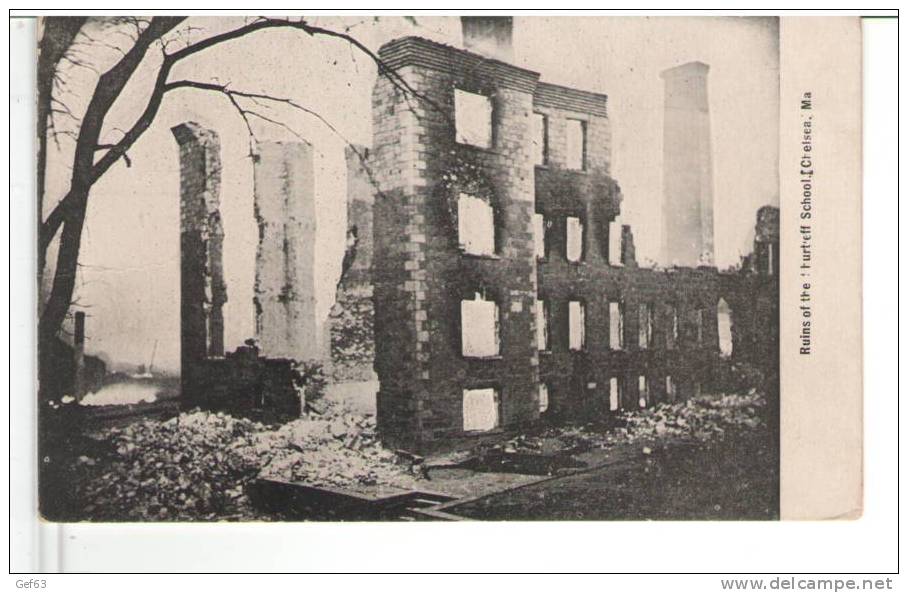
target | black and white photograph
x=392, y=268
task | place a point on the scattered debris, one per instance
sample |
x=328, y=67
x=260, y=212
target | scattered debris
x=334, y=448
x=196, y=465
x=697, y=419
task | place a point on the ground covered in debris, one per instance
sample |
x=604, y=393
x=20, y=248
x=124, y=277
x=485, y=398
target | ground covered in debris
x=707, y=458
x=728, y=479
x=697, y=419
x=197, y=465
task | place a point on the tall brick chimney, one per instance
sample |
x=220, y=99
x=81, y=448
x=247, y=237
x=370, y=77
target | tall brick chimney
x=687, y=206
x=490, y=36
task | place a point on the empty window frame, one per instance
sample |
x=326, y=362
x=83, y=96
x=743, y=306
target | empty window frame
x=575, y=133
x=480, y=409
x=543, y=397
x=479, y=327
x=475, y=225
x=543, y=334
x=614, y=394
x=698, y=319
x=539, y=228
x=576, y=325
x=574, y=238
x=615, y=326
x=671, y=334
x=540, y=135
x=473, y=118
x=645, y=326
x=642, y=391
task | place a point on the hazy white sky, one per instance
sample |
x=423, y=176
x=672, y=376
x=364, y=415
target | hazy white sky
x=130, y=262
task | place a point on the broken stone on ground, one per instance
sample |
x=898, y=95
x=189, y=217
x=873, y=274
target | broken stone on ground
x=196, y=465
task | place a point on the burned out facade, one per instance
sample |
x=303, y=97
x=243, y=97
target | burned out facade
x=752, y=293
x=351, y=320
x=499, y=296
x=490, y=284
x=261, y=376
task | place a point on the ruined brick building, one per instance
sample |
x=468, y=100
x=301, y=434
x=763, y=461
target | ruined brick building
x=260, y=375
x=491, y=285
x=352, y=339
x=504, y=290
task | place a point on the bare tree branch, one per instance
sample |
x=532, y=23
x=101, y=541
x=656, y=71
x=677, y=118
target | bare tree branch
x=68, y=216
x=233, y=94
x=268, y=23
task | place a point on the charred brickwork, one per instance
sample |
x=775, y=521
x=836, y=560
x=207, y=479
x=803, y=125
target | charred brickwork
x=203, y=291
x=246, y=381
x=665, y=330
x=766, y=242
x=423, y=273
x=676, y=312
x=285, y=319
x=351, y=318
x=628, y=250
x=752, y=293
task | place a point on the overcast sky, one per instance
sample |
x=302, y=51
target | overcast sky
x=130, y=260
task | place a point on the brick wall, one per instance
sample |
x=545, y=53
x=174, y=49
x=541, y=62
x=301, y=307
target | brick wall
x=579, y=380
x=247, y=384
x=203, y=291
x=243, y=381
x=420, y=273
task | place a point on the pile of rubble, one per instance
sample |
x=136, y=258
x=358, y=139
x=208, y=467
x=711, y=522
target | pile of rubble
x=702, y=418
x=333, y=448
x=699, y=419
x=191, y=466
x=197, y=464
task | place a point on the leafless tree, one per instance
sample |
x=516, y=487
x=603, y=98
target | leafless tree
x=56, y=42
x=92, y=157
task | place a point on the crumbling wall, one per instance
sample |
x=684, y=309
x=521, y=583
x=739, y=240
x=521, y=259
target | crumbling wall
x=766, y=241
x=248, y=384
x=420, y=272
x=203, y=291
x=628, y=250
x=579, y=381
x=352, y=316
x=752, y=293
x=754, y=304
x=247, y=381
x=286, y=323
